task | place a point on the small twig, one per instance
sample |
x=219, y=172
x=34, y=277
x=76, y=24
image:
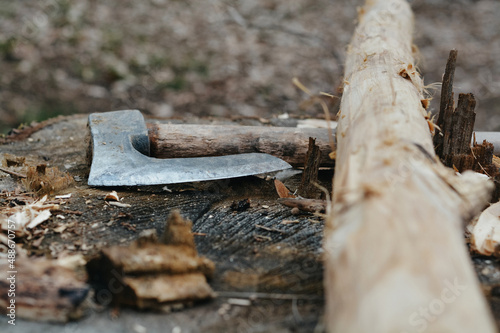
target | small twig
x=307, y=205
x=239, y=301
x=252, y=296
x=66, y=211
x=289, y=221
x=118, y=204
x=12, y=173
x=299, y=85
x=269, y=229
x=261, y=238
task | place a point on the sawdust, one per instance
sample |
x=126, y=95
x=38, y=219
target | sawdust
x=43, y=180
x=22, y=219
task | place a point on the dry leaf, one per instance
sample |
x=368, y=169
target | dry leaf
x=282, y=190
x=485, y=233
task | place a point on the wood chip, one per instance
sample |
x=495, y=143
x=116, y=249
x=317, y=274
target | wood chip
x=496, y=161
x=37, y=242
x=290, y=221
x=156, y=257
x=485, y=232
x=26, y=217
x=156, y=291
x=60, y=228
x=12, y=173
x=160, y=274
x=269, y=229
x=112, y=196
x=119, y=204
x=283, y=191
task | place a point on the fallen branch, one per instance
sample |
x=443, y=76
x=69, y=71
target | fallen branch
x=395, y=258
x=12, y=173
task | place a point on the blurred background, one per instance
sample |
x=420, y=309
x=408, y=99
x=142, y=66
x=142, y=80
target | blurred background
x=171, y=58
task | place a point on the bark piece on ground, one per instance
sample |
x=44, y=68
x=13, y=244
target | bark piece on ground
x=154, y=274
x=394, y=235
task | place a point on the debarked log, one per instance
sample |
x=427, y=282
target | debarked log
x=395, y=256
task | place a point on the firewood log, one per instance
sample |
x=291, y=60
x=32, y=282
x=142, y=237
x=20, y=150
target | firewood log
x=395, y=256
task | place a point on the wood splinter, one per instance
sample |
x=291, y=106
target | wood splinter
x=308, y=185
x=456, y=126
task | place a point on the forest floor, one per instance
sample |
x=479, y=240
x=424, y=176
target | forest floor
x=218, y=58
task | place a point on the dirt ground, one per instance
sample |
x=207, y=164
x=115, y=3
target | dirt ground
x=218, y=58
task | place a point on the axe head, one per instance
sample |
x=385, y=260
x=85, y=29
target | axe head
x=119, y=152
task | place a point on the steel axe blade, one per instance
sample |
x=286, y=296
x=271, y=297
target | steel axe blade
x=120, y=148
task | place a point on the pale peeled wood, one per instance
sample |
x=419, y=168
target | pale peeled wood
x=187, y=140
x=485, y=231
x=394, y=245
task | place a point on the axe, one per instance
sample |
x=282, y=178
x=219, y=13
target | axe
x=122, y=145
x=125, y=151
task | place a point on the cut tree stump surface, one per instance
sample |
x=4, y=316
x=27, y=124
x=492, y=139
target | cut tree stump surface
x=248, y=258
x=252, y=250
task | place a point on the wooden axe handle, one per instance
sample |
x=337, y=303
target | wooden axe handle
x=287, y=143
